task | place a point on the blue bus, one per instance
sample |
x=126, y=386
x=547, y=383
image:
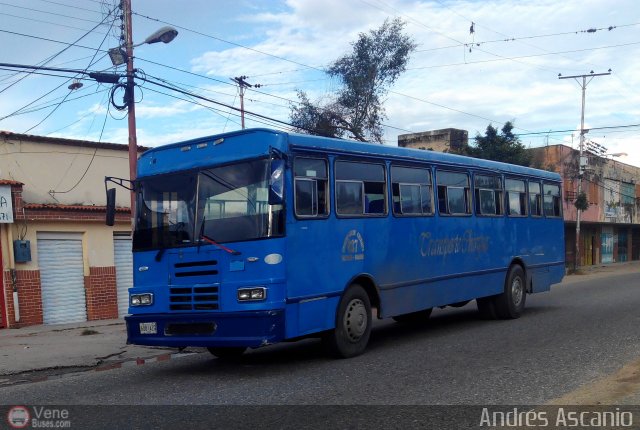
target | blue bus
x=253, y=237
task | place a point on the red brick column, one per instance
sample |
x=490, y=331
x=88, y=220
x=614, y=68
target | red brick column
x=29, y=298
x=101, y=293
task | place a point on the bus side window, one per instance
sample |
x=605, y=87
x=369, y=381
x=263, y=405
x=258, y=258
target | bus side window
x=311, y=187
x=552, y=206
x=411, y=189
x=360, y=188
x=453, y=193
x=516, y=197
x=535, y=199
x=488, y=191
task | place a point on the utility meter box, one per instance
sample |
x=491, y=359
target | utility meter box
x=22, y=251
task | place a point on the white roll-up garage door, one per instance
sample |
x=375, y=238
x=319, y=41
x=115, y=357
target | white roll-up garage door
x=62, y=277
x=124, y=270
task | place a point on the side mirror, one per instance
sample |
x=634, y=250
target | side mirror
x=276, y=182
x=111, y=207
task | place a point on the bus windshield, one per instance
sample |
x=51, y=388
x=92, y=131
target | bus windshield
x=226, y=204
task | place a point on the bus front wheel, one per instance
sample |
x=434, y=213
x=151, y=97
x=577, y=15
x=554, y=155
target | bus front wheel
x=353, y=324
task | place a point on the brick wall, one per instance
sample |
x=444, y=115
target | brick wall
x=29, y=297
x=101, y=293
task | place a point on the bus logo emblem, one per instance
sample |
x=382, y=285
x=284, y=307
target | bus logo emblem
x=353, y=246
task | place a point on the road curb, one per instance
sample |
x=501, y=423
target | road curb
x=23, y=379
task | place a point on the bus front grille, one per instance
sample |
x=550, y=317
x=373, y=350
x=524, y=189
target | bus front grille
x=199, y=298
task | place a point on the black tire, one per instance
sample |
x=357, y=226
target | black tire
x=419, y=317
x=510, y=303
x=227, y=353
x=353, y=324
x=486, y=308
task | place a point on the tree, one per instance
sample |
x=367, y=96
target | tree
x=504, y=146
x=375, y=63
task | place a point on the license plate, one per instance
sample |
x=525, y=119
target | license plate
x=148, y=328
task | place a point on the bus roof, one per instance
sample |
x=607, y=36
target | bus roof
x=250, y=143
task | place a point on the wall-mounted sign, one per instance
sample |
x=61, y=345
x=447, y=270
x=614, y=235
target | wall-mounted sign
x=6, y=208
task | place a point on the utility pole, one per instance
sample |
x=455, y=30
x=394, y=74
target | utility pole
x=242, y=85
x=131, y=105
x=581, y=164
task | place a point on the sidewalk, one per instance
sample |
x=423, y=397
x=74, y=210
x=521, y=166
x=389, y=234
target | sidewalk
x=95, y=344
x=64, y=348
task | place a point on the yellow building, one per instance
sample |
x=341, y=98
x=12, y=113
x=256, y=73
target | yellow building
x=60, y=262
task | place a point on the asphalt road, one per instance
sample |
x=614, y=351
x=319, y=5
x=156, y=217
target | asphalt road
x=579, y=332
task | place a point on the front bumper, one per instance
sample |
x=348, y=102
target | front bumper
x=250, y=329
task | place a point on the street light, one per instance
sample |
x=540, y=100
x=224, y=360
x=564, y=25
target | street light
x=119, y=56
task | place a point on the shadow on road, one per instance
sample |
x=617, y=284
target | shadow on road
x=386, y=334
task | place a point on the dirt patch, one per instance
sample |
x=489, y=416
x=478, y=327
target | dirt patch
x=612, y=389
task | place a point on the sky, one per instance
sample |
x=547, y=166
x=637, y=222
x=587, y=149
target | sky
x=505, y=70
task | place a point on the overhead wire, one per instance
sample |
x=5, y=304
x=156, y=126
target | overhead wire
x=91, y=63
x=227, y=41
x=48, y=13
x=69, y=45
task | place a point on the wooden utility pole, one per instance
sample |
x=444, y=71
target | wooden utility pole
x=581, y=164
x=243, y=84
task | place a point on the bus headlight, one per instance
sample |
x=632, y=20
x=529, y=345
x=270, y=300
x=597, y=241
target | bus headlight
x=252, y=294
x=145, y=299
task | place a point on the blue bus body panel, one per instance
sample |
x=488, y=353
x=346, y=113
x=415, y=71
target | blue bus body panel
x=412, y=263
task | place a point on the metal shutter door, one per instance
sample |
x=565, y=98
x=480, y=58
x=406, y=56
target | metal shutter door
x=124, y=271
x=62, y=276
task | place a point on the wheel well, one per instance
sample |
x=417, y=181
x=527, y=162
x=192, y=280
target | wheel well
x=370, y=287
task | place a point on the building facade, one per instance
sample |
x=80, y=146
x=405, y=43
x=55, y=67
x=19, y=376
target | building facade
x=60, y=262
x=610, y=227
x=445, y=140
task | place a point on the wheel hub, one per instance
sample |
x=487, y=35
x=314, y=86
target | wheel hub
x=517, y=291
x=355, y=320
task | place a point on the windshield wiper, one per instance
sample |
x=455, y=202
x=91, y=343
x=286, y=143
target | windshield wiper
x=224, y=248
x=202, y=237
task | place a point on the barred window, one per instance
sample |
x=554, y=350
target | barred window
x=552, y=205
x=311, y=187
x=516, y=197
x=488, y=191
x=360, y=188
x=535, y=199
x=411, y=189
x=453, y=193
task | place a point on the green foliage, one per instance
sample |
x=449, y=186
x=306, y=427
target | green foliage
x=504, y=146
x=581, y=203
x=375, y=63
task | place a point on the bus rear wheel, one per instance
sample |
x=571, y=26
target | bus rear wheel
x=227, y=353
x=419, y=317
x=353, y=324
x=510, y=303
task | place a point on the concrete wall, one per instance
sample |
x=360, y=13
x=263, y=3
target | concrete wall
x=59, y=171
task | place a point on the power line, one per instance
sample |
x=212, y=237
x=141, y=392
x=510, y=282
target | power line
x=415, y=21
x=75, y=7
x=228, y=42
x=91, y=62
x=49, y=13
x=45, y=22
x=524, y=56
x=511, y=39
x=264, y=117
